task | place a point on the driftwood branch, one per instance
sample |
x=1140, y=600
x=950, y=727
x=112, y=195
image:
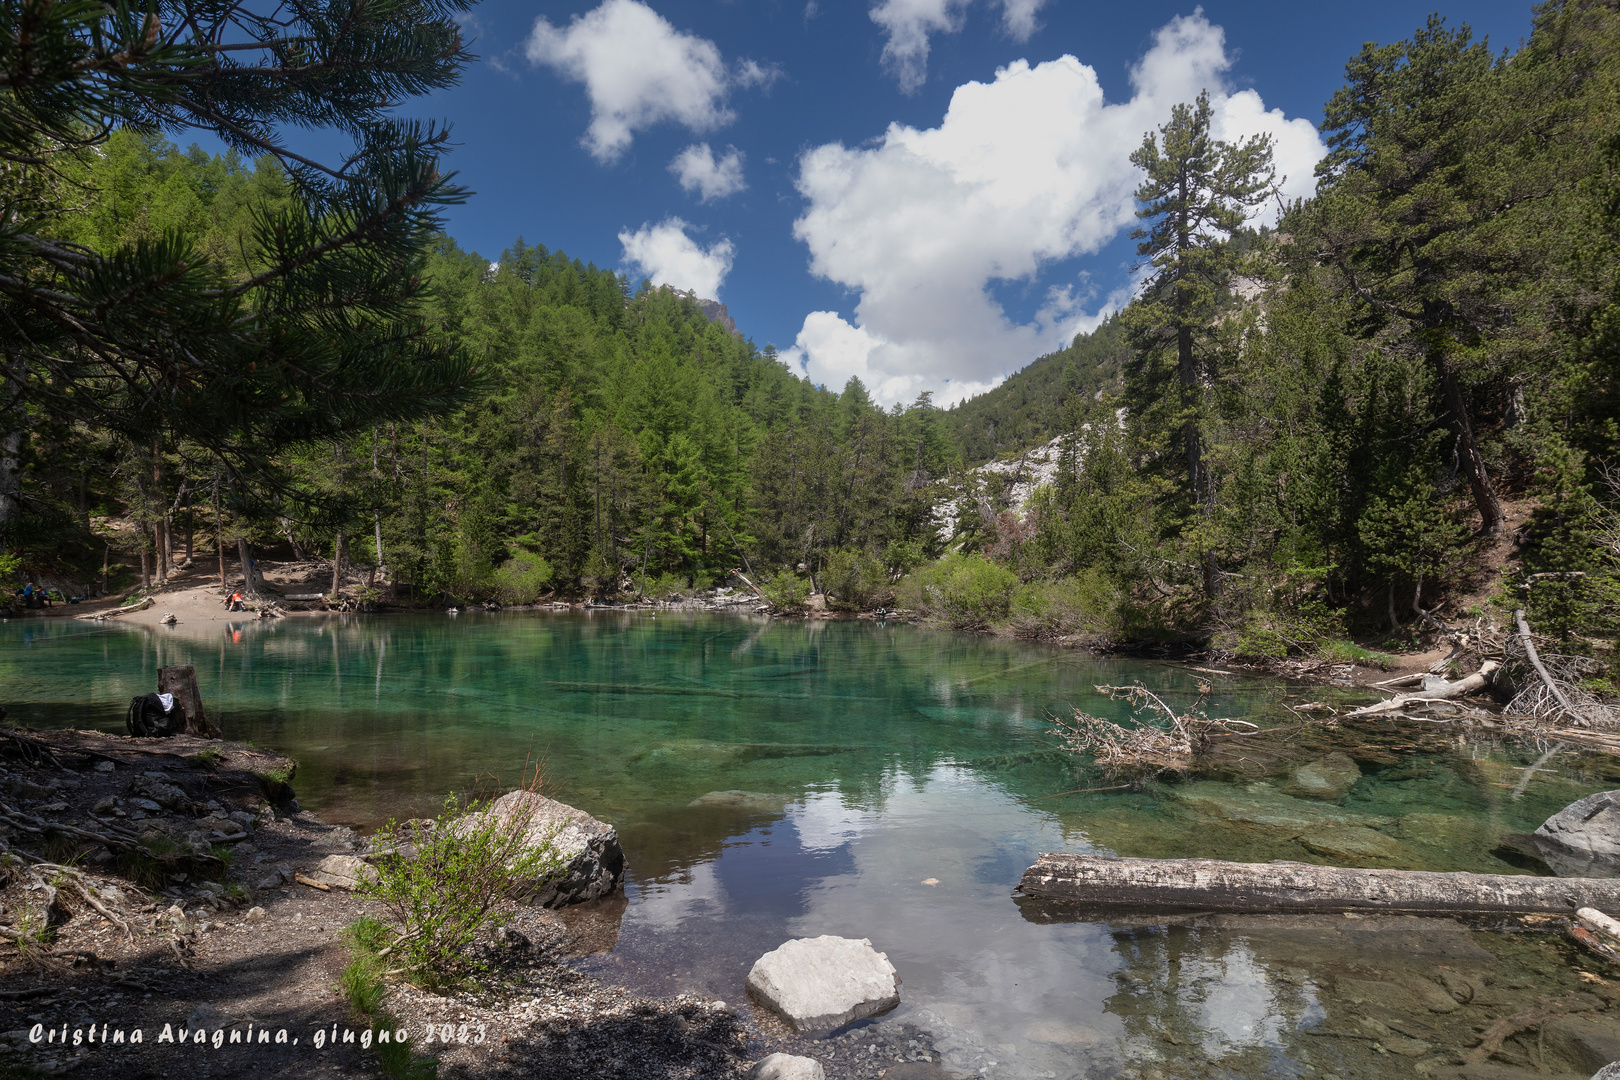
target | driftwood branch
x=1212, y=885
x=1473, y=684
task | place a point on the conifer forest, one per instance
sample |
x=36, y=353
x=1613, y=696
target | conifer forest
x=1400, y=406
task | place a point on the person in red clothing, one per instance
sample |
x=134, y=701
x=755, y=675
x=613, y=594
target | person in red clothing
x=233, y=602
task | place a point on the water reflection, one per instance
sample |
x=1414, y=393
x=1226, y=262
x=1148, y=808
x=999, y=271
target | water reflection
x=773, y=780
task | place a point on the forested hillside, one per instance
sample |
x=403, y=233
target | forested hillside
x=1033, y=405
x=1399, y=406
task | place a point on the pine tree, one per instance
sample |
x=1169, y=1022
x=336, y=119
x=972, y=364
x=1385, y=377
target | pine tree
x=1197, y=194
x=317, y=335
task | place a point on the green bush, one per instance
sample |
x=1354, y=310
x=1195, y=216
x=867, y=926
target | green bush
x=786, y=592
x=856, y=581
x=661, y=586
x=442, y=881
x=967, y=592
x=1084, y=604
x=1271, y=635
x=520, y=579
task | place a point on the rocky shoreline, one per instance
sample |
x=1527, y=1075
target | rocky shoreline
x=225, y=935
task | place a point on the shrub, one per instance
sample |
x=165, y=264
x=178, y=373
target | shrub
x=661, y=587
x=856, y=581
x=786, y=592
x=1351, y=653
x=520, y=579
x=442, y=882
x=1086, y=603
x=1272, y=635
x=967, y=592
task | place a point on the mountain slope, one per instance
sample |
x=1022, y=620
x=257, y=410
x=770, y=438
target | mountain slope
x=1027, y=409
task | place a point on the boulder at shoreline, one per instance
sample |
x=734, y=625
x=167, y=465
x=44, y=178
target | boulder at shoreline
x=817, y=984
x=593, y=861
x=1583, y=839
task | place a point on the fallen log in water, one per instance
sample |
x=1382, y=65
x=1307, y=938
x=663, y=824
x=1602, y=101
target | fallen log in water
x=1212, y=885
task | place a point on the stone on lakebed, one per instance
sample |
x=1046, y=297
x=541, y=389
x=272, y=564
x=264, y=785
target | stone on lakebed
x=1328, y=778
x=817, y=984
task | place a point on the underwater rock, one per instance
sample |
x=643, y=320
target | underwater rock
x=754, y=801
x=1583, y=839
x=1266, y=808
x=1588, y=1042
x=821, y=983
x=1328, y=778
x=1351, y=842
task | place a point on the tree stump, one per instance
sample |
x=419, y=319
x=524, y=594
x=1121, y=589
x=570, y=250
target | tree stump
x=181, y=681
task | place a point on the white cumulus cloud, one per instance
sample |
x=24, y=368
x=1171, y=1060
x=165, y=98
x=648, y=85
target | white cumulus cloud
x=638, y=70
x=706, y=176
x=1029, y=169
x=907, y=25
x=667, y=255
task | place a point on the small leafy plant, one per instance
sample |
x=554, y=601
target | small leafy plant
x=442, y=881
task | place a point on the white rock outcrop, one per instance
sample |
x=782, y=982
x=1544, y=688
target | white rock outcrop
x=817, y=984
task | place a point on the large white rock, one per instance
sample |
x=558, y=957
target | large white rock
x=817, y=984
x=1583, y=839
x=787, y=1067
x=593, y=861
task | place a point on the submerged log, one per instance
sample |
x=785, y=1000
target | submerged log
x=1212, y=885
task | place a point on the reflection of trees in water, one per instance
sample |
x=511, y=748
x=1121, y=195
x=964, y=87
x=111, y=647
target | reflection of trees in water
x=1188, y=996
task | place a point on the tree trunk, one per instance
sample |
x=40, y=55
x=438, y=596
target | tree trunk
x=219, y=536
x=244, y=553
x=1468, y=457
x=376, y=521
x=1394, y=620
x=181, y=681
x=337, y=563
x=10, y=482
x=106, y=558
x=146, y=565
x=1212, y=885
x=160, y=537
x=1535, y=661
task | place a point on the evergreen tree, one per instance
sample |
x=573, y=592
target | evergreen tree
x=314, y=333
x=1197, y=194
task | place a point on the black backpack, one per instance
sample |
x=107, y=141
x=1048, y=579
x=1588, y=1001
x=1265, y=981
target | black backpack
x=149, y=720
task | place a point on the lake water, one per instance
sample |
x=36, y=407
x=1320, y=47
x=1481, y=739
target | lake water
x=890, y=783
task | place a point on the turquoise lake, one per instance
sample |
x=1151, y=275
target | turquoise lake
x=894, y=783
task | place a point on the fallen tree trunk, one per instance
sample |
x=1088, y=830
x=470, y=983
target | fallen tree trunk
x=1212, y=885
x=1541, y=670
x=1473, y=684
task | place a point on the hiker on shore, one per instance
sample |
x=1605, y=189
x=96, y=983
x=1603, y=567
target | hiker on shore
x=233, y=602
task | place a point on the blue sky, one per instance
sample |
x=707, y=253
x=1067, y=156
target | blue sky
x=924, y=193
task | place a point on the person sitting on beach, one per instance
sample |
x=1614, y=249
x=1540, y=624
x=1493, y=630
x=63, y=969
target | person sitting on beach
x=233, y=602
